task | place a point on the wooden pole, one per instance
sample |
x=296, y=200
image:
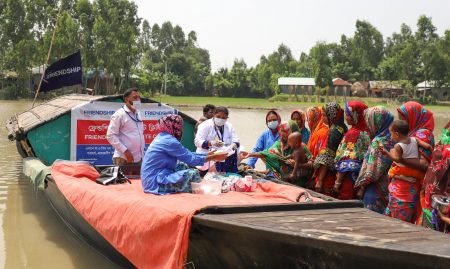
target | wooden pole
x=48, y=55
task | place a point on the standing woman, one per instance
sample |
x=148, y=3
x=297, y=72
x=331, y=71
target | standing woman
x=372, y=182
x=268, y=137
x=350, y=153
x=421, y=126
x=215, y=133
x=299, y=117
x=319, y=130
x=324, y=174
x=165, y=168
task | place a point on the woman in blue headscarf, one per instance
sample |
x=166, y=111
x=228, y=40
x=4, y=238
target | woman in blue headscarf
x=372, y=182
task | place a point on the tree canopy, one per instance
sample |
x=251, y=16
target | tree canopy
x=113, y=39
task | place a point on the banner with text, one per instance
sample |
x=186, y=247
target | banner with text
x=89, y=123
x=63, y=73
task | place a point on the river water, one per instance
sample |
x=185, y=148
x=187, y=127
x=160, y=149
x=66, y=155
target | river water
x=32, y=234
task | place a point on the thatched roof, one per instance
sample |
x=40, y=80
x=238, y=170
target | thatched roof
x=21, y=124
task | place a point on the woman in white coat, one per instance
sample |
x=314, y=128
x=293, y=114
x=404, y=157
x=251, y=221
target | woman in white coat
x=216, y=133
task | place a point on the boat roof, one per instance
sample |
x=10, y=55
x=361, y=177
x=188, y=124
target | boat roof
x=20, y=124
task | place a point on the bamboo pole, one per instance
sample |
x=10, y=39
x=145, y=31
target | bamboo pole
x=48, y=55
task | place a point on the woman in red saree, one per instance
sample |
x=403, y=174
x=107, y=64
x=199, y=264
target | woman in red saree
x=421, y=126
x=350, y=154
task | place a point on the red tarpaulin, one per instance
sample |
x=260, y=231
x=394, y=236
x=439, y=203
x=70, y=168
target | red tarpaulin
x=151, y=231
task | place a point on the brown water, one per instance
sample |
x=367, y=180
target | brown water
x=32, y=234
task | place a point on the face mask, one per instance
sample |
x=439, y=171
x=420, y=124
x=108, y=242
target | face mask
x=272, y=125
x=219, y=122
x=137, y=104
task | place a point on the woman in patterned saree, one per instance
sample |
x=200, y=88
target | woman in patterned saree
x=350, y=153
x=324, y=174
x=372, y=182
x=421, y=125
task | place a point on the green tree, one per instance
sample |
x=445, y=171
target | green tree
x=115, y=31
x=426, y=39
x=321, y=57
x=367, y=50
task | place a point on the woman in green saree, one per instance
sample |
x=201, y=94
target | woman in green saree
x=277, y=157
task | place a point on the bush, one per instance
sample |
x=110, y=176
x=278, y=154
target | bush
x=428, y=100
x=403, y=98
x=9, y=92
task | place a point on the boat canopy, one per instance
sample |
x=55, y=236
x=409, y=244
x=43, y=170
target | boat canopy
x=19, y=125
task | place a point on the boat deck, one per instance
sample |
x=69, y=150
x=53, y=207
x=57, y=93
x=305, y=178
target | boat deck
x=319, y=238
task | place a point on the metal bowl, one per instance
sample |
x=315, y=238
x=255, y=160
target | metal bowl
x=441, y=203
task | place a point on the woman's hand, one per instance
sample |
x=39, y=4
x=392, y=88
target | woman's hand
x=219, y=157
x=244, y=154
x=274, y=151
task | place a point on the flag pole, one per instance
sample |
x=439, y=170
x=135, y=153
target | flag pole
x=48, y=56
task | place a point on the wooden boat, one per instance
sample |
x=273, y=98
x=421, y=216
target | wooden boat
x=327, y=234
x=45, y=131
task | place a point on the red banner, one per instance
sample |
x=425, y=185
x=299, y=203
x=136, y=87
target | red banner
x=93, y=132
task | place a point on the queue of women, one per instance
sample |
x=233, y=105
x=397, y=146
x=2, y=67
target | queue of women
x=373, y=160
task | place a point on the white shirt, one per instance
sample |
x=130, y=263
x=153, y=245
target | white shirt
x=410, y=151
x=126, y=131
x=207, y=132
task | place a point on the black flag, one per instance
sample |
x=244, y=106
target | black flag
x=62, y=73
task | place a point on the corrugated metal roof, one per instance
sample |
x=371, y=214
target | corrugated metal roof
x=426, y=84
x=296, y=81
x=340, y=82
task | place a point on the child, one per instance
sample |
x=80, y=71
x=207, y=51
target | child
x=405, y=182
x=298, y=159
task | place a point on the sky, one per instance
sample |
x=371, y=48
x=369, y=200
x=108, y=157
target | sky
x=248, y=29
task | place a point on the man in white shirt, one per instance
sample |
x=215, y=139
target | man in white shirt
x=126, y=130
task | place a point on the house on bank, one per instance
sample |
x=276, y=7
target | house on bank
x=341, y=88
x=296, y=85
x=385, y=89
x=431, y=88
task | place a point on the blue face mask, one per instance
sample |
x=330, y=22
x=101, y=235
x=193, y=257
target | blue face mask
x=273, y=125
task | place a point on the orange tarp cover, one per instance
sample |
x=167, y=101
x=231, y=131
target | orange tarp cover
x=151, y=231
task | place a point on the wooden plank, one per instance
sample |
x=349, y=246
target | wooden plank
x=362, y=225
x=367, y=227
x=308, y=218
x=289, y=213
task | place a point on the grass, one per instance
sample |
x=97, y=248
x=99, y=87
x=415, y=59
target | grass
x=260, y=102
